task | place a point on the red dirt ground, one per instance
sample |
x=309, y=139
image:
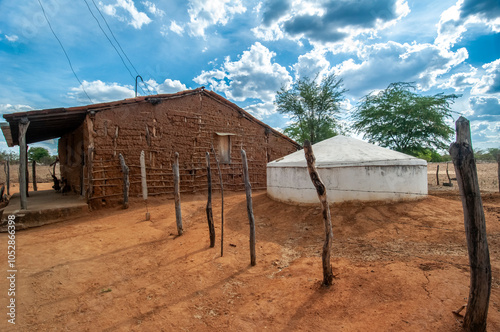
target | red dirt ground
x=398, y=267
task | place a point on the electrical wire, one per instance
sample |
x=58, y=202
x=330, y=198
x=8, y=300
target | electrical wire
x=118, y=43
x=64, y=50
x=107, y=37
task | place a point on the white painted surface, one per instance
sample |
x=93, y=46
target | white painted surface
x=351, y=170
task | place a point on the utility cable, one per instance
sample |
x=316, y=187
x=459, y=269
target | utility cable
x=118, y=43
x=107, y=37
x=64, y=50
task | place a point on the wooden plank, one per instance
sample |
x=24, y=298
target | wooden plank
x=475, y=228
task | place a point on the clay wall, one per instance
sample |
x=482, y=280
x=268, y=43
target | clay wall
x=71, y=158
x=189, y=125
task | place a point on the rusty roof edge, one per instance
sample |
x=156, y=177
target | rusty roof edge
x=10, y=117
x=249, y=116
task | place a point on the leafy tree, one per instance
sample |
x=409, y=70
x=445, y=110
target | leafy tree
x=488, y=155
x=400, y=119
x=313, y=108
x=9, y=155
x=37, y=154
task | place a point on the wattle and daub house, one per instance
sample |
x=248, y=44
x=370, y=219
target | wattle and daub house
x=189, y=122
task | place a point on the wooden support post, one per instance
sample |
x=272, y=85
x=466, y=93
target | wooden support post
x=475, y=228
x=126, y=182
x=7, y=175
x=210, y=217
x=321, y=191
x=222, y=204
x=177, y=194
x=248, y=190
x=23, y=167
x=144, y=183
x=437, y=175
x=34, y=176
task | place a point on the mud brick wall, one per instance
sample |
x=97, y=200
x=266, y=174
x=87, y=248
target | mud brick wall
x=71, y=158
x=189, y=125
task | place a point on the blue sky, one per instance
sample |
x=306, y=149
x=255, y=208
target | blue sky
x=247, y=50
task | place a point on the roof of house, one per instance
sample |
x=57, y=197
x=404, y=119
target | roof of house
x=56, y=122
x=342, y=151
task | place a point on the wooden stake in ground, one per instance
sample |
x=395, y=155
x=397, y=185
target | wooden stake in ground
x=144, y=183
x=222, y=204
x=248, y=190
x=177, y=194
x=437, y=175
x=475, y=229
x=321, y=190
x=34, y=176
x=210, y=217
x=23, y=167
x=126, y=182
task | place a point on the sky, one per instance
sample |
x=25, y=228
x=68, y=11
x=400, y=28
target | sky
x=247, y=50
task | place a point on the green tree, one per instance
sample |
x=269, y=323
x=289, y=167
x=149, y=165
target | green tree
x=37, y=154
x=402, y=120
x=313, y=107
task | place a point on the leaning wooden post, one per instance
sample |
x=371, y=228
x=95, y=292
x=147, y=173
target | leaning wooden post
x=144, y=183
x=248, y=190
x=177, y=194
x=222, y=204
x=437, y=175
x=475, y=228
x=321, y=191
x=210, y=217
x=34, y=176
x=23, y=167
x=126, y=182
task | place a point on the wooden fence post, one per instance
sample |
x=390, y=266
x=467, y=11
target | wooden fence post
x=321, y=191
x=437, y=175
x=210, y=217
x=34, y=176
x=248, y=190
x=23, y=167
x=126, y=182
x=177, y=194
x=144, y=183
x=222, y=204
x=475, y=228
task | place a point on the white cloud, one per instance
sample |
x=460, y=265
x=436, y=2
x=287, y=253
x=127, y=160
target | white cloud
x=461, y=81
x=382, y=64
x=254, y=75
x=12, y=38
x=101, y=92
x=261, y=110
x=168, y=86
x=310, y=64
x=9, y=108
x=205, y=13
x=483, y=15
x=489, y=82
x=125, y=11
x=322, y=22
x=153, y=9
x=174, y=27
